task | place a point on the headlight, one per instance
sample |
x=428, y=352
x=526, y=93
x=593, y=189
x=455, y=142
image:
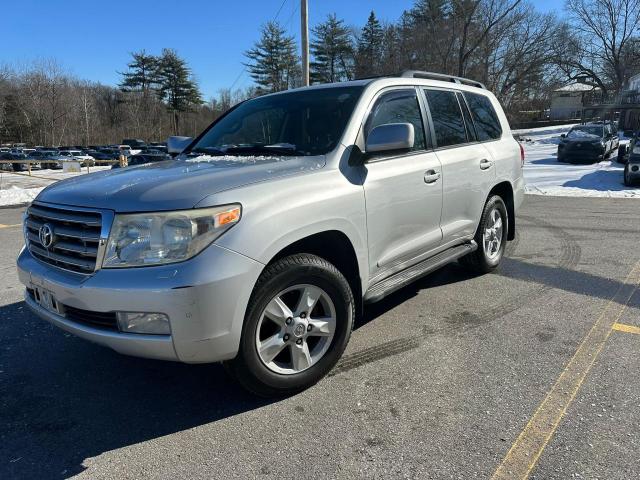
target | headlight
x=158, y=238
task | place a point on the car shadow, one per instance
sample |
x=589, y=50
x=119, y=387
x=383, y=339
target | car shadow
x=64, y=400
x=602, y=181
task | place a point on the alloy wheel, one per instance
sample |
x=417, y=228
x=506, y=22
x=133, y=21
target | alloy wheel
x=296, y=328
x=492, y=236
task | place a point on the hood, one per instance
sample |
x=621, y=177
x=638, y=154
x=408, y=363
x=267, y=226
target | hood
x=171, y=185
x=580, y=136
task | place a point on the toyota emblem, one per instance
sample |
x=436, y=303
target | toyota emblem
x=45, y=235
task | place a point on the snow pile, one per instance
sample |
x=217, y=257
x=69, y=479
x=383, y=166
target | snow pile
x=16, y=189
x=16, y=195
x=544, y=175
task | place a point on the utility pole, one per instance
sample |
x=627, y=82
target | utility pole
x=304, y=38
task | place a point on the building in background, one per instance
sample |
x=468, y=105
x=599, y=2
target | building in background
x=568, y=102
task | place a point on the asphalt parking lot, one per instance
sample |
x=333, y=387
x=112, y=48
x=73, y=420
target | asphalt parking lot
x=533, y=370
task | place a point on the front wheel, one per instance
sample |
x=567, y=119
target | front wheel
x=297, y=325
x=627, y=176
x=491, y=237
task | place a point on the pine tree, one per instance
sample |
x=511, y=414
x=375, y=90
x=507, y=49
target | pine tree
x=142, y=73
x=273, y=60
x=333, y=52
x=176, y=86
x=370, y=48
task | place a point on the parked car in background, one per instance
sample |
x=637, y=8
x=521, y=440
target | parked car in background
x=52, y=159
x=134, y=143
x=16, y=167
x=143, y=158
x=590, y=142
x=632, y=163
x=78, y=155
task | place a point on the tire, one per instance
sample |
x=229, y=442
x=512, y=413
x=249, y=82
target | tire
x=481, y=261
x=627, y=179
x=622, y=150
x=284, y=280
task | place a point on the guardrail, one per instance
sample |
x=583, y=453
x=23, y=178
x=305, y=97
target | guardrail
x=38, y=162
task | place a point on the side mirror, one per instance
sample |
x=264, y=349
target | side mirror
x=564, y=135
x=178, y=144
x=389, y=137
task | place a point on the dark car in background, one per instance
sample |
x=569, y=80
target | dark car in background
x=134, y=143
x=632, y=161
x=17, y=167
x=142, y=158
x=590, y=142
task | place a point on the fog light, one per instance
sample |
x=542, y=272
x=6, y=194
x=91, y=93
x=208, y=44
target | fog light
x=150, y=323
x=634, y=168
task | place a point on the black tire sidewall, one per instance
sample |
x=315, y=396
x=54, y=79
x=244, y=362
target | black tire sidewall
x=321, y=274
x=497, y=203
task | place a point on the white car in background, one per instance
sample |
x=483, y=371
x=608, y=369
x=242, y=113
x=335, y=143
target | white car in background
x=78, y=155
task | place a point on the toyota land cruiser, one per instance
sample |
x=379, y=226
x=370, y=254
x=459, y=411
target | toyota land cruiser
x=260, y=242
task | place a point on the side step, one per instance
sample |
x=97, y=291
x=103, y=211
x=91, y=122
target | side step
x=405, y=277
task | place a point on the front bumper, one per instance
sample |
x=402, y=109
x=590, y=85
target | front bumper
x=580, y=155
x=205, y=299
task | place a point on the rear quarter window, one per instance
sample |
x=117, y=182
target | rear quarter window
x=484, y=116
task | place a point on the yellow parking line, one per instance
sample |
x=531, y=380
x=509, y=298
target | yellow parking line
x=523, y=455
x=2, y=225
x=621, y=327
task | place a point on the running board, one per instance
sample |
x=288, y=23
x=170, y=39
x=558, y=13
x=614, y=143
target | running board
x=398, y=280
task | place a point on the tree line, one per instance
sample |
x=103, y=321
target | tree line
x=520, y=53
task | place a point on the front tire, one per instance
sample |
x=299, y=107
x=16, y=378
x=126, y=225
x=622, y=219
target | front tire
x=491, y=237
x=297, y=325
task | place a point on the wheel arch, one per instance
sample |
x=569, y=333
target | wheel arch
x=505, y=191
x=335, y=247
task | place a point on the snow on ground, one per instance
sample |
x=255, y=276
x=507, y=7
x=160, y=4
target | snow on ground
x=544, y=175
x=18, y=188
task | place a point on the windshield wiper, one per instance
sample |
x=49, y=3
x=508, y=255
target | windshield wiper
x=276, y=148
x=213, y=151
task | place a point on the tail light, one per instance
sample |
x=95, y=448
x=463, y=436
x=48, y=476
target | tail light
x=521, y=154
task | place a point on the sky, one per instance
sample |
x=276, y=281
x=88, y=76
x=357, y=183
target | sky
x=93, y=39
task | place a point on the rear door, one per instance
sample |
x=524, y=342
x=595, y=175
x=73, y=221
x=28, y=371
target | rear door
x=468, y=171
x=403, y=191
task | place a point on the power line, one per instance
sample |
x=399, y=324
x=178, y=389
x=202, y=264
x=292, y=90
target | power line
x=244, y=69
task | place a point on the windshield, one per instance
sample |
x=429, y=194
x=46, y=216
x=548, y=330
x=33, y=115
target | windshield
x=307, y=122
x=586, y=131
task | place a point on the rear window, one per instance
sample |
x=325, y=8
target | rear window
x=484, y=116
x=447, y=118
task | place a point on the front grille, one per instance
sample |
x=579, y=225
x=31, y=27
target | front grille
x=75, y=236
x=102, y=320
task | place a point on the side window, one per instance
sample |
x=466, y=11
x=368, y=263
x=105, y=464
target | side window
x=447, y=117
x=398, y=106
x=484, y=116
x=471, y=130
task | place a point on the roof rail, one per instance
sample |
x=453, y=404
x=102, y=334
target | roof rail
x=441, y=76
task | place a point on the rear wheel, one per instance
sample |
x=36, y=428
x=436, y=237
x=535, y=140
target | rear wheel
x=622, y=151
x=491, y=237
x=297, y=325
x=627, y=176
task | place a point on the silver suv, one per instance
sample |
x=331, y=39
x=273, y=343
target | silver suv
x=259, y=244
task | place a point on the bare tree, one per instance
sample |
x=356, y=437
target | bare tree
x=596, y=44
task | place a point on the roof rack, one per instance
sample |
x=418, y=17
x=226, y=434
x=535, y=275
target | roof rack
x=442, y=77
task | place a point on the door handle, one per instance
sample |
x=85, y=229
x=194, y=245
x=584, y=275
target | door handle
x=431, y=176
x=485, y=164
